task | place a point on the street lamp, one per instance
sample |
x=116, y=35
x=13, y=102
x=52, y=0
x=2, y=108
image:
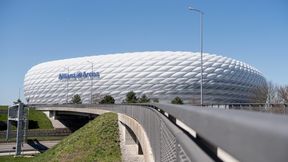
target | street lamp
x=67, y=84
x=91, y=93
x=201, y=49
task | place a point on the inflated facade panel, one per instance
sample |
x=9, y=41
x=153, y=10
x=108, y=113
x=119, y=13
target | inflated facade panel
x=161, y=74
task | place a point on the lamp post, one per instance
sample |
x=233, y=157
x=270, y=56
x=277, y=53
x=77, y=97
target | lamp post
x=201, y=49
x=91, y=93
x=67, y=84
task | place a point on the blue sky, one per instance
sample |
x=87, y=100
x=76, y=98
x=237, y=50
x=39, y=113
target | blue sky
x=35, y=31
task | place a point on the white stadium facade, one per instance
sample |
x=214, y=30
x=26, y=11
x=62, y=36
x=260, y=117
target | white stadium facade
x=160, y=74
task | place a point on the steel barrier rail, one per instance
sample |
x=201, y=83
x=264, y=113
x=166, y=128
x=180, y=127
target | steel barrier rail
x=168, y=142
x=247, y=136
x=261, y=107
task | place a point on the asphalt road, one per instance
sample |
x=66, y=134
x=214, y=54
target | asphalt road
x=32, y=146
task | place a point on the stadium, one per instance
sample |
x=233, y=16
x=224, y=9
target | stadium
x=161, y=75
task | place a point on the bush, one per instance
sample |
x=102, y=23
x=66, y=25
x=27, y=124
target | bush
x=131, y=97
x=107, y=100
x=76, y=99
x=144, y=99
x=177, y=100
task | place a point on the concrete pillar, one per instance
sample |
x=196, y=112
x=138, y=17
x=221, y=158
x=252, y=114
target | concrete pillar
x=52, y=115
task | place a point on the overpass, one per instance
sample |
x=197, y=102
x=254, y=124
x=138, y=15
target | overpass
x=188, y=133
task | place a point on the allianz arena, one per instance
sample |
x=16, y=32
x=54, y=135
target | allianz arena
x=160, y=74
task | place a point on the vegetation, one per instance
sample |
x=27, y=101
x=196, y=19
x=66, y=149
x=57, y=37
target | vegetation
x=96, y=141
x=144, y=99
x=260, y=94
x=2, y=107
x=283, y=93
x=16, y=159
x=37, y=120
x=177, y=100
x=107, y=100
x=3, y=117
x=76, y=99
x=131, y=97
x=270, y=93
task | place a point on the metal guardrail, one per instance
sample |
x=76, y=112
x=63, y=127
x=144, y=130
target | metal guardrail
x=246, y=136
x=260, y=107
x=40, y=133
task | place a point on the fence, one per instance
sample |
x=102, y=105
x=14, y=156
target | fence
x=260, y=107
x=40, y=133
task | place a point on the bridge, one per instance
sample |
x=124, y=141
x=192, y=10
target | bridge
x=168, y=132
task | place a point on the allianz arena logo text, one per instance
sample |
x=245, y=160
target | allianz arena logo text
x=78, y=75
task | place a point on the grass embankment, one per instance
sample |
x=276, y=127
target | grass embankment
x=2, y=107
x=96, y=141
x=42, y=120
x=37, y=119
x=3, y=117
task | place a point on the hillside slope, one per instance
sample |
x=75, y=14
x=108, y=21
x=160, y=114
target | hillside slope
x=96, y=141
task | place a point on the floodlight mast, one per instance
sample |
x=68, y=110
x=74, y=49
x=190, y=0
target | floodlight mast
x=91, y=88
x=201, y=50
x=67, y=84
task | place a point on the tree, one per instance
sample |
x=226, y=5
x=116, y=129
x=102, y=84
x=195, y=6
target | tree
x=107, y=100
x=267, y=93
x=144, y=99
x=177, y=100
x=131, y=97
x=272, y=96
x=283, y=93
x=260, y=94
x=76, y=99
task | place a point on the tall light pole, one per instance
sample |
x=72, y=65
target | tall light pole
x=67, y=84
x=201, y=49
x=91, y=92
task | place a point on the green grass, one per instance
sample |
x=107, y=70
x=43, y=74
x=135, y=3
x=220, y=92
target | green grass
x=41, y=118
x=96, y=141
x=3, y=117
x=16, y=159
x=37, y=116
x=3, y=107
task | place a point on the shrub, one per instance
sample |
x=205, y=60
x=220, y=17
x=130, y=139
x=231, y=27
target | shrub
x=177, y=100
x=131, y=97
x=107, y=100
x=144, y=99
x=76, y=99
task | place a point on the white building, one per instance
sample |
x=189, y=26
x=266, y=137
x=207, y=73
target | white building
x=160, y=74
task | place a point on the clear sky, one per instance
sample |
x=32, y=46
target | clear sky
x=35, y=31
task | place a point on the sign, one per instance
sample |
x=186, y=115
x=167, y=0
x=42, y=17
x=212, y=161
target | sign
x=79, y=75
